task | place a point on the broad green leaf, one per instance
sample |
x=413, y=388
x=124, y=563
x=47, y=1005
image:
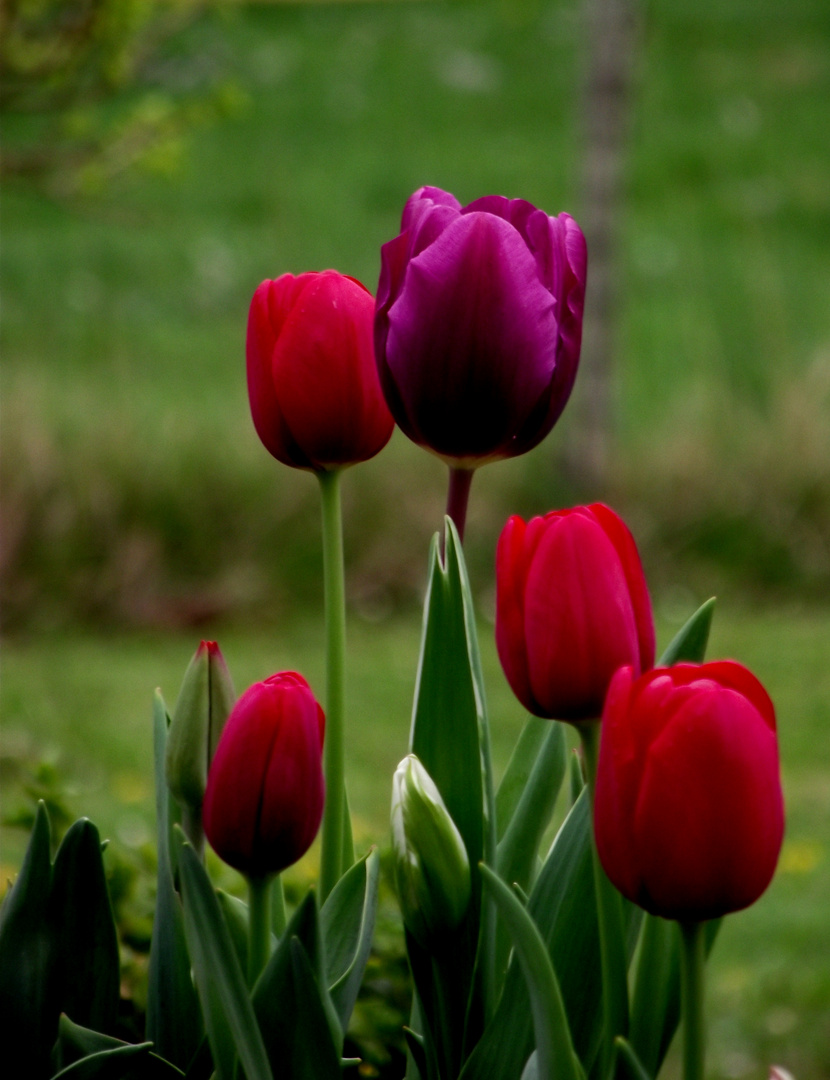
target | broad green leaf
x=518, y=770
x=125, y=1062
x=517, y=851
x=555, y=1058
x=86, y=962
x=451, y=738
x=28, y=1010
x=630, y=1064
x=76, y=1042
x=562, y=904
x=229, y=1015
x=347, y=924
x=690, y=641
x=174, y=1020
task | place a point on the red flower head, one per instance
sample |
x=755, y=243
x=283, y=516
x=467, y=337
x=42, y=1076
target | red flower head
x=688, y=813
x=265, y=789
x=571, y=607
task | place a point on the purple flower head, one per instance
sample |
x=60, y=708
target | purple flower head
x=478, y=324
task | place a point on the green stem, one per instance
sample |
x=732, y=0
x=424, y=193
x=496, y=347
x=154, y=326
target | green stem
x=609, y=915
x=259, y=925
x=692, y=961
x=331, y=865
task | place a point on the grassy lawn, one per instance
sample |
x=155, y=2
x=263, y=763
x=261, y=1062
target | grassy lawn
x=83, y=703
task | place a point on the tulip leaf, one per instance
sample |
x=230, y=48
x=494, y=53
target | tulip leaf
x=517, y=850
x=28, y=1015
x=76, y=1042
x=229, y=1015
x=690, y=641
x=562, y=904
x=417, y=1048
x=516, y=775
x=655, y=1010
x=174, y=1020
x=555, y=1058
x=347, y=924
x=125, y=1062
x=632, y=1067
x=86, y=962
x=450, y=736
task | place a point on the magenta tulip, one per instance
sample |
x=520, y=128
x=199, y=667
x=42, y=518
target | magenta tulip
x=478, y=324
x=572, y=606
x=688, y=813
x=265, y=788
x=313, y=385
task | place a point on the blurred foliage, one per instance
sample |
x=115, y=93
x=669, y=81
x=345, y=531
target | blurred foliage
x=87, y=79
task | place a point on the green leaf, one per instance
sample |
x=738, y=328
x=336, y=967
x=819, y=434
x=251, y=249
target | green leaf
x=174, y=1020
x=98, y=1056
x=288, y=1001
x=86, y=961
x=347, y=923
x=518, y=770
x=450, y=736
x=690, y=641
x=655, y=1009
x=235, y=913
x=517, y=851
x=562, y=904
x=632, y=1067
x=555, y=1058
x=229, y=1015
x=76, y=1042
x=28, y=1010
x=347, y=855
x=417, y=1048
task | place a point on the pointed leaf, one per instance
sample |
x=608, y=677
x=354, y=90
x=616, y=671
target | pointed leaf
x=518, y=770
x=174, y=1020
x=76, y=1042
x=125, y=1062
x=690, y=641
x=229, y=1015
x=28, y=1009
x=86, y=942
x=555, y=1058
x=347, y=925
x=632, y=1067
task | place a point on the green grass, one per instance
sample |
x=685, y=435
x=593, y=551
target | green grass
x=83, y=702
x=126, y=436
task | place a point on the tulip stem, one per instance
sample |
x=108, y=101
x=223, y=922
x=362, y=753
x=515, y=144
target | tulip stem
x=458, y=495
x=259, y=925
x=331, y=866
x=278, y=907
x=692, y=964
x=609, y=916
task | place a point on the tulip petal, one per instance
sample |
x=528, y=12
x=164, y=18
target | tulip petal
x=490, y=337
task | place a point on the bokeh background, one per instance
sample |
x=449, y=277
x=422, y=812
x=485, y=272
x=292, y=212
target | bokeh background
x=162, y=158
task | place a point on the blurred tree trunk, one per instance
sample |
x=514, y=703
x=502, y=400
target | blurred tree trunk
x=610, y=34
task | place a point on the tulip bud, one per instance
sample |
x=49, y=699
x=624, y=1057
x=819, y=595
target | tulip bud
x=478, y=324
x=572, y=606
x=265, y=789
x=688, y=811
x=313, y=385
x=204, y=704
x=432, y=871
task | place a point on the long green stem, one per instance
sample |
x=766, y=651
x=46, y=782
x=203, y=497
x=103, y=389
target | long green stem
x=692, y=963
x=278, y=919
x=331, y=865
x=259, y=925
x=609, y=915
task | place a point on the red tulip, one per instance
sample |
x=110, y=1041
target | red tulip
x=572, y=606
x=265, y=789
x=313, y=385
x=688, y=812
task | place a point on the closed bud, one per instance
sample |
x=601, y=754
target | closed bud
x=205, y=702
x=432, y=871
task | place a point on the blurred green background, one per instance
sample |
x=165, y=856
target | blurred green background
x=184, y=152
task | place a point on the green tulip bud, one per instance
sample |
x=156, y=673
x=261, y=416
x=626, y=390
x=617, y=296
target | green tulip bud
x=432, y=871
x=205, y=701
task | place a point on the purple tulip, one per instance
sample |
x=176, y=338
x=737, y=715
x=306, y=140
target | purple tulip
x=478, y=324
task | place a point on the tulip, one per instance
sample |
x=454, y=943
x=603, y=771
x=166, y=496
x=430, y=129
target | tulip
x=432, y=871
x=572, y=606
x=478, y=324
x=265, y=789
x=204, y=704
x=688, y=813
x=312, y=382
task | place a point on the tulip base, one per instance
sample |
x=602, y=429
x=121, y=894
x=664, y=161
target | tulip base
x=692, y=962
